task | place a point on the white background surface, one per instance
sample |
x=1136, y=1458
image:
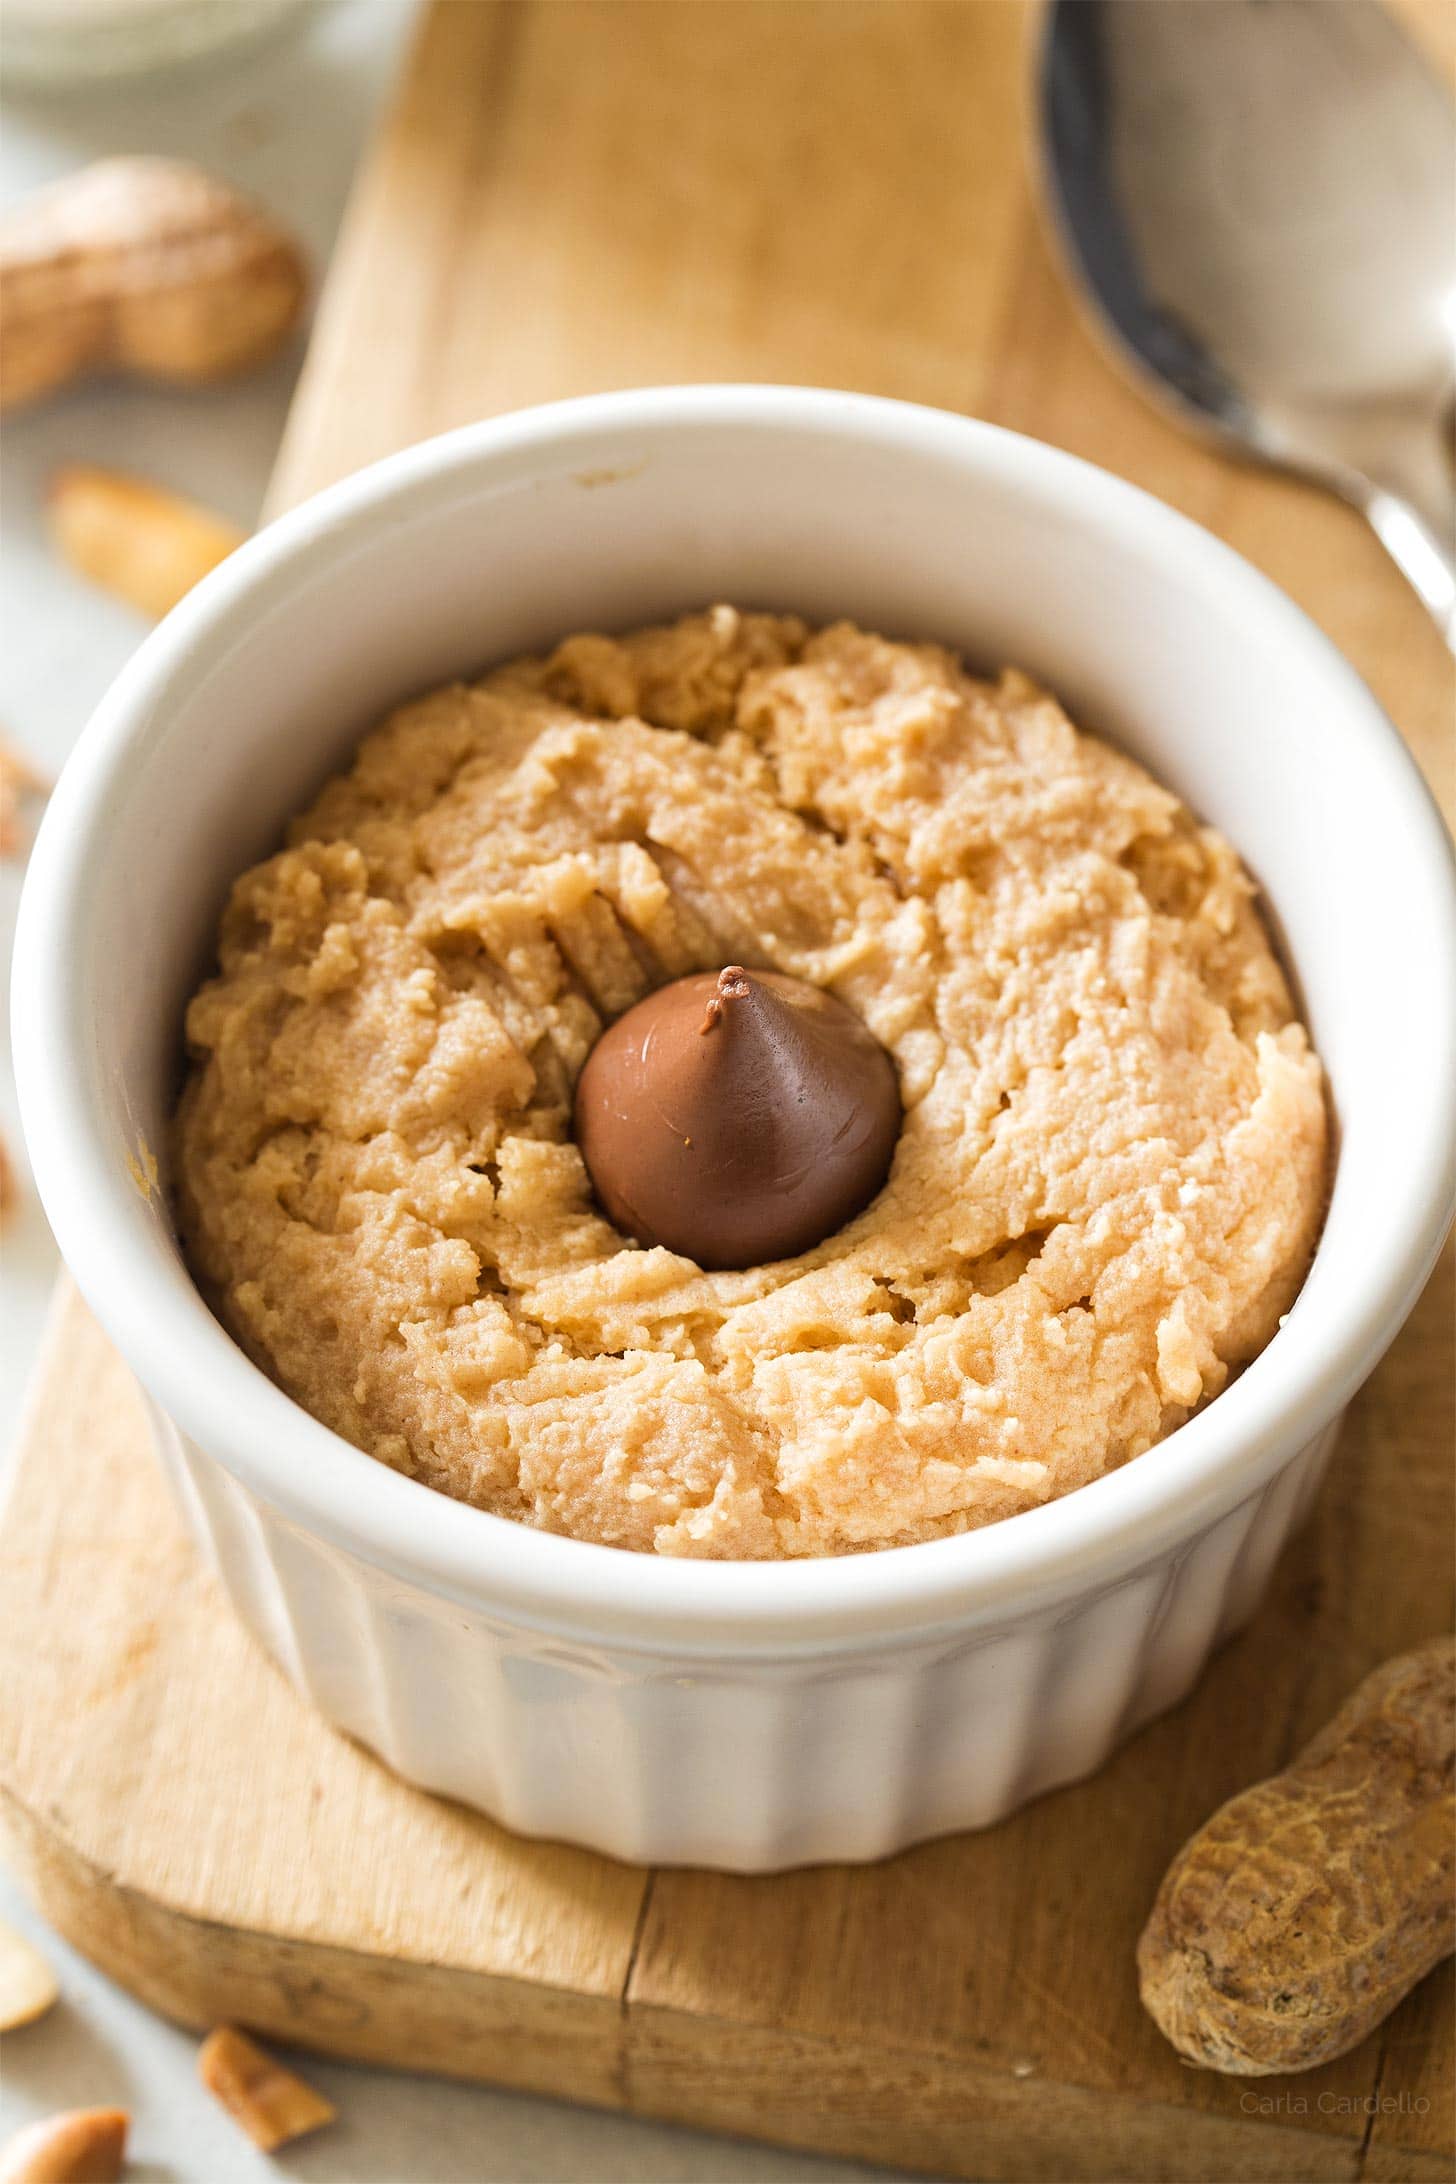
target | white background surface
x=286, y=121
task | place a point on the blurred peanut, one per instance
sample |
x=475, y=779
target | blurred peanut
x=18, y=778
x=133, y=538
x=146, y=266
x=82, y=2146
x=27, y=1983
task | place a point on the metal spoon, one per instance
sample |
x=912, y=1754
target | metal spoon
x=1257, y=199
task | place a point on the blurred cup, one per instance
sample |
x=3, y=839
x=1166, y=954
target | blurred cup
x=52, y=43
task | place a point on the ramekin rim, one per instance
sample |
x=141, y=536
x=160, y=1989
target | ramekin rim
x=213, y=1393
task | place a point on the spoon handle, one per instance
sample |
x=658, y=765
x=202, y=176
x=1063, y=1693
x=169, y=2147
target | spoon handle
x=1402, y=480
x=1392, y=461
x=1420, y=552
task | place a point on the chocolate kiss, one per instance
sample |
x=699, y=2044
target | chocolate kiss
x=736, y=1119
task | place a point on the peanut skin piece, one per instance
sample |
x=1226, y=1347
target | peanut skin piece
x=1308, y=1906
x=273, y=2104
x=147, y=266
x=134, y=538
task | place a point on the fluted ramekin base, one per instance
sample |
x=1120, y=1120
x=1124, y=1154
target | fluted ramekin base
x=748, y=1764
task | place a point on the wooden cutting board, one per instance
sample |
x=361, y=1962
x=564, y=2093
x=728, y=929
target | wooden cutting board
x=573, y=197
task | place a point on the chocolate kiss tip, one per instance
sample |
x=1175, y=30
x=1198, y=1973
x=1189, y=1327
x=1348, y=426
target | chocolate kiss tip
x=737, y=1151
x=733, y=985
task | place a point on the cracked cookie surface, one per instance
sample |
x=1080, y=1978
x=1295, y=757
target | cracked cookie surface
x=1107, y=1186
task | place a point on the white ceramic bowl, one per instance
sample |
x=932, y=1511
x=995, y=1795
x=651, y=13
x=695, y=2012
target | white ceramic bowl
x=741, y=1714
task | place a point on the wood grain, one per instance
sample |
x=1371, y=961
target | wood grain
x=574, y=197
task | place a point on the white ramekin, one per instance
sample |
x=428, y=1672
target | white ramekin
x=737, y=1714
